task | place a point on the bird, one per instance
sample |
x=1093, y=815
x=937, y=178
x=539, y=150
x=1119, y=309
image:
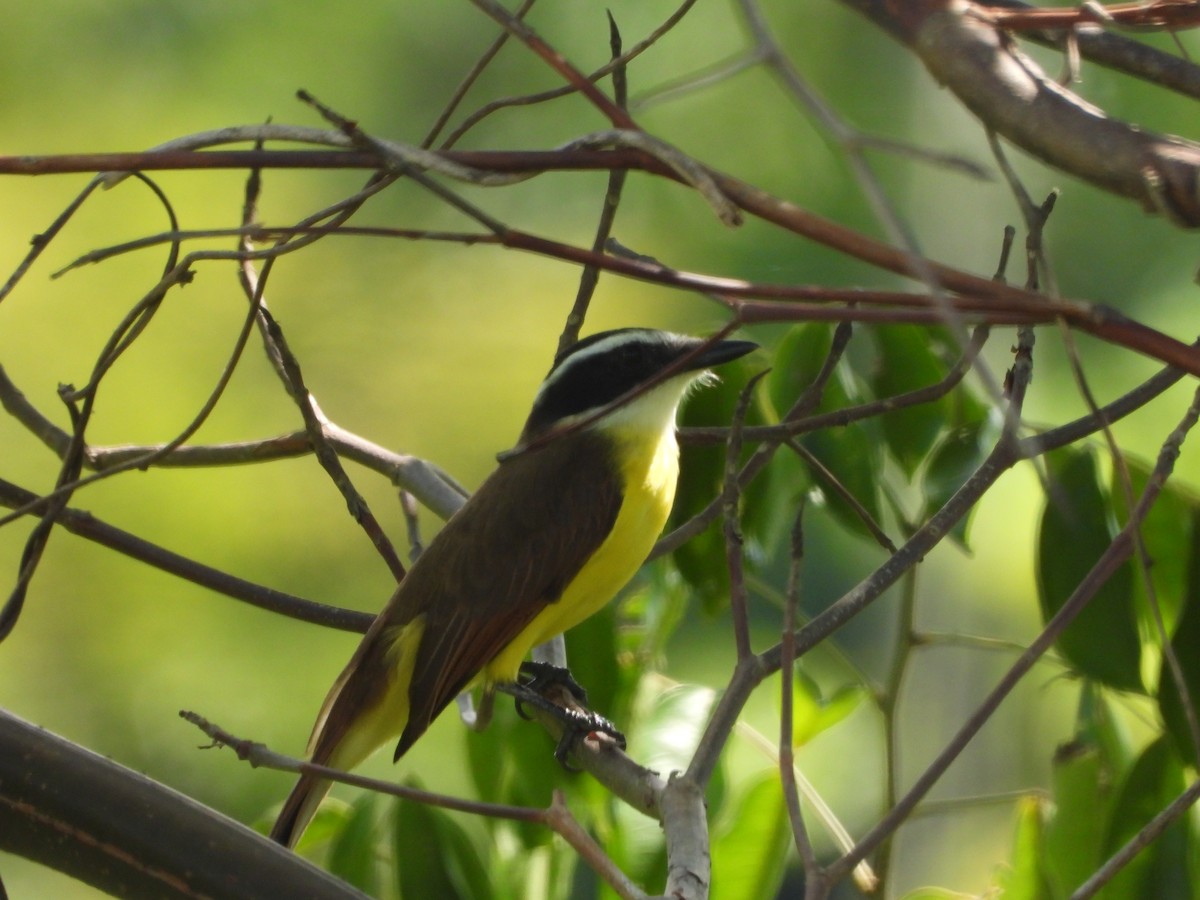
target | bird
x=549, y=538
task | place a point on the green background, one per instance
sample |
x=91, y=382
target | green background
x=435, y=350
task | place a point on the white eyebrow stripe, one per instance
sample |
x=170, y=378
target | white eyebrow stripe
x=601, y=346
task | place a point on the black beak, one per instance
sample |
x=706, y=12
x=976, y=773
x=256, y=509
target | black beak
x=721, y=352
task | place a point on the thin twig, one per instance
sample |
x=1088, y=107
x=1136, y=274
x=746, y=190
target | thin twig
x=731, y=497
x=67, y=481
x=87, y=526
x=1119, y=551
x=590, y=275
x=812, y=870
x=469, y=80
x=557, y=818
x=566, y=90
x=1139, y=842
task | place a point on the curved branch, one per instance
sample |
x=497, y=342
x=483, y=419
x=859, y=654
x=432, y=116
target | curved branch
x=70, y=809
x=1011, y=95
x=1119, y=53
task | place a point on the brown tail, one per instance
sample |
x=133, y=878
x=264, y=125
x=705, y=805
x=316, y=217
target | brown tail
x=299, y=809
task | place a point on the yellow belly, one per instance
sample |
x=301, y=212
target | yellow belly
x=650, y=470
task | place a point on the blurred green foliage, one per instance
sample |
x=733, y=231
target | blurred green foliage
x=435, y=350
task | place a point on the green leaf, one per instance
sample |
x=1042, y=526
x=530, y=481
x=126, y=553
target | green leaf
x=749, y=856
x=1156, y=778
x=487, y=758
x=1100, y=721
x=1103, y=641
x=592, y=659
x=330, y=820
x=671, y=722
x=907, y=362
x=648, y=617
x=812, y=713
x=701, y=560
x=853, y=458
x=954, y=460
x=434, y=856
x=797, y=361
x=352, y=854
x=1075, y=834
x=535, y=774
x=850, y=454
x=1022, y=878
x=1186, y=644
x=512, y=762
x=1167, y=532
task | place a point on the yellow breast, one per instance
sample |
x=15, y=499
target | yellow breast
x=649, y=462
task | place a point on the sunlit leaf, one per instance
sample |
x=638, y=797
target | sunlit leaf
x=672, y=720
x=663, y=737
x=749, y=856
x=1021, y=878
x=1074, y=835
x=1102, y=642
x=813, y=713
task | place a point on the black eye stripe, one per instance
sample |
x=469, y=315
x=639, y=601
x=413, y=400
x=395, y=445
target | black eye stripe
x=605, y=366
x=582, y=381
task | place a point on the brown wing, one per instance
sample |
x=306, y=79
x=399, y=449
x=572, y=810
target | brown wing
x=540, y=516
x=360, y=686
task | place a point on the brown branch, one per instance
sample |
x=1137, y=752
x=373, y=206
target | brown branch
x=731, y=500
x=580, y=82
x=566, y=90
x=787, y=773
x=80, y=404
x=557, y=818
x=1119, y=53
x=1118, y=552
x=117, y=830
x=1172, y=14
x=1011, y=95
x=85, y=525
x=514, y=162
x=1178, y=807
x=590, y=276
x=977, y=294
x=470, y=78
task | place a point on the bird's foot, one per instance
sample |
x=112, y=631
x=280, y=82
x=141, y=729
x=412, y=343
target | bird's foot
x=577, y=722
x=540, y=676
x=581, y=724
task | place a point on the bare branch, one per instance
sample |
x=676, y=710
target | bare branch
x=1012, y=96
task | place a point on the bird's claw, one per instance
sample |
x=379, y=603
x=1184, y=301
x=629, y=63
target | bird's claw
x=578, y=724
